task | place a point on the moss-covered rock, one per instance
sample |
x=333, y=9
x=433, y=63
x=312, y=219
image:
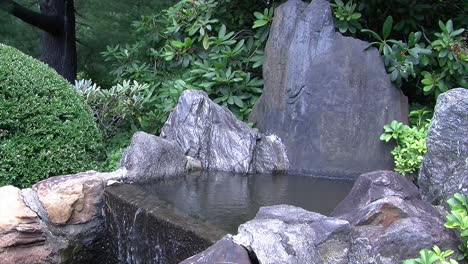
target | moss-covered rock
x=45, y=127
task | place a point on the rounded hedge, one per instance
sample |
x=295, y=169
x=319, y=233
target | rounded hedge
x=45, y=127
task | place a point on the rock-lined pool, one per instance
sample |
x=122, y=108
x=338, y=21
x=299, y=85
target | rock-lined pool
x=226, y=200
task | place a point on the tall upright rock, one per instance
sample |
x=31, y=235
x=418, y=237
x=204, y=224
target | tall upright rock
x=444, y=170
x=325, y=96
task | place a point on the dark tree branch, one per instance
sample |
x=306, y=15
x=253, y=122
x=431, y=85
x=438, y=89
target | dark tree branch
x=51, y=24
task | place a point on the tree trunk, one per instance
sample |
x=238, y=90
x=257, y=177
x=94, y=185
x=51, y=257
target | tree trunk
x=59, y=50
x=57, y=20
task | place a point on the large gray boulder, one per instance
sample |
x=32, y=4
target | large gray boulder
x=152, y=157
x=444, y=170
x=389, y=220
x=213, y=135
x=285, y=234
x=324, y=95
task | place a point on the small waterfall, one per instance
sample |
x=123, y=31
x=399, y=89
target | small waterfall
x=143, y=229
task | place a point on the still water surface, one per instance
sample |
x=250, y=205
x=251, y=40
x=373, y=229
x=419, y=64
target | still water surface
x=227, y=200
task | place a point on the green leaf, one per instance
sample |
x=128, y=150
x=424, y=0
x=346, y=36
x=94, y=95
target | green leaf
x=238, y=101
x=222, y=31
x=258, y=15
x=442, y=26
x=443, y=53
x=219, y=99
x=394, y=76
x=259, y=23
x=230, y=100
x=356, y=16
x=387, y=27
x=411, y=39
x=375, y=35
x=428, y=88
x=206, y=43
x=177, y=44
x=449, y=26
x=239, y=45
x=427, y=81
x=457, y=32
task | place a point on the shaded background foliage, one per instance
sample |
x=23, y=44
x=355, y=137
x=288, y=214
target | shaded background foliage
x=16, y=33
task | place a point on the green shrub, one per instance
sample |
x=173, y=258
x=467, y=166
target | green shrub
x=458, y=219
x=434, y=256
x=117, y=106
x=438, y=66
x=45, y=127
x=423, y=42
x=189, y=46
x=410, y=141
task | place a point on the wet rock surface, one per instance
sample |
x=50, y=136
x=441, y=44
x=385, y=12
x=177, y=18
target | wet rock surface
x=324, y=96
x=152, y=157
x=223, y=251
x=213, y=135
x=444, y=170
x=270, y=155
x=390, y=221
x=382, y=221
x=289, y=234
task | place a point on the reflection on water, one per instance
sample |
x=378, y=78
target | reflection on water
x=227, y=200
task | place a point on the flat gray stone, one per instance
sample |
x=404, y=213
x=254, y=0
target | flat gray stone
x=223, y=251
x=289, y=234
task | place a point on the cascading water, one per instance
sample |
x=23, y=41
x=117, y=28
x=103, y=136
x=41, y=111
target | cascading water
x=143, y=229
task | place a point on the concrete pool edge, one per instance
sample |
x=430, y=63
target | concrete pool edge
x=172, y=236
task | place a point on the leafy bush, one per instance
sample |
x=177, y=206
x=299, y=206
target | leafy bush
x=188, y=46
x=410, y=141
x=434, y=256
x=347, y=19
x=439, y=66
x=423, y=58
x=45, y=128
x=115, y=106
x=457, y=219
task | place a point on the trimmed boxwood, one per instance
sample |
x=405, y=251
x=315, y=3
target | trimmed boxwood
x=45, y=127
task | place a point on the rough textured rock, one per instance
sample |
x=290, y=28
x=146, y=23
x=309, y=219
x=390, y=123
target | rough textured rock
x=289, y=234
x=68, y=218
x=324, y=96
x=71, y=199
x=22, y=237
x=212, y=134
x=390, y=221
x=223, y=251
x=270, y=155
x=444, y=170
x=152, y=157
